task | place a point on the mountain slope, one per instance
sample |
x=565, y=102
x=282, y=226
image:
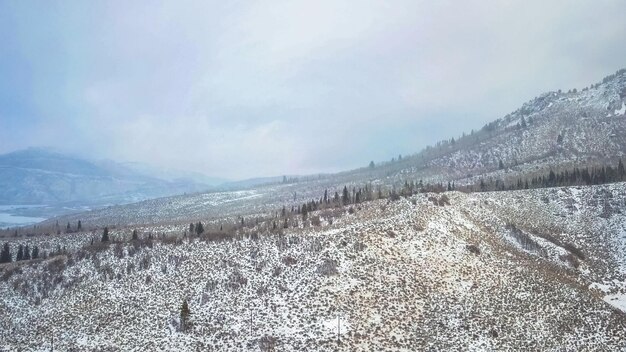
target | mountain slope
x=407, y=275
x=591, y=124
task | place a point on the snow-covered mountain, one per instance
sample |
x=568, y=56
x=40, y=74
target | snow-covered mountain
x=556, y=129
x=535, y=269
x=38, y=176
x=521, y=270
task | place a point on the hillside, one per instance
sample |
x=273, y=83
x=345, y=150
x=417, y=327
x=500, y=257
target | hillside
x=591, y=123
x=535, y=269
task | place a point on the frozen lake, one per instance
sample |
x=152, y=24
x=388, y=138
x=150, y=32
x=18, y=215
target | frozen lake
x=9, y=219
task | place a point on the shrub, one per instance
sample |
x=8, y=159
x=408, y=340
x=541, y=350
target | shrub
x=267, y=343
x=9, y=271
x=288, y=260
x=316, y=221
x=328, y=267
x=473, y=249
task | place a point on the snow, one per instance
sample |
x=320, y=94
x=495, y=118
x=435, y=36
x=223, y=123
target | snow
x=412, y=284
x=617, y=300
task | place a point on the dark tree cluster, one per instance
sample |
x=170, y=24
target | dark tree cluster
x=572, y=177
x=24, y=252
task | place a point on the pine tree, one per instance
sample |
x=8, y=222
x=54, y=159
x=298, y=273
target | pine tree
x=79, y=226
x=559, y=139
x=35, y=254
x=68, y=228
x=20, y=253
x=621, y=173
x=346, y=196
x=135, y=236
x=5, y=255
x=185, y=314
x=523, y=122
x=304, y=212
x=105, y=235
x=191, y=228
x=199, y=228
x=372, y=165
x=26, y=253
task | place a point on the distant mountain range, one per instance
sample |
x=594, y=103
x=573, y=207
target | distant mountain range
x=40, y=176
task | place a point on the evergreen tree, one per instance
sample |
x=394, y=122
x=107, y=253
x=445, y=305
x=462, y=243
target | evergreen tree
x=523, y=122
x=26, y=253
x=346, y=196
x=20, y=253
x=68, y=228
x=199, y=228
x=559, y=139
x=372, y=165
x=621, y=173
x=501, y=165
x=35, y=254
x=135, y=236
x=79, y=226
x=185, y=314
x=105, y=235
x=5, y=255
x=191, y=228
x=304, y=212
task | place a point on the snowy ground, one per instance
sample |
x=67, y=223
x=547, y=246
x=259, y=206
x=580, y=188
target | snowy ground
x=523, y=270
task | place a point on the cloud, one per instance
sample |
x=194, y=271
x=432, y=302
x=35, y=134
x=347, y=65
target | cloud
x=243, y=89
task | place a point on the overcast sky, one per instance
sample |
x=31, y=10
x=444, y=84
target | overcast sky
x=238, y=89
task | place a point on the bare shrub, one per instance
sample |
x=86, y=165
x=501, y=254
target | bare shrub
x=277, y=271
x=570, y=259
x=237, y=280
x=289, y=260
x=473, y=249
x=55, y=266
x=359, y=246
x=444, y=200
x=328, y=267
x=9, y=271
x=267, y=343
x=118, y=251
x=316, y=221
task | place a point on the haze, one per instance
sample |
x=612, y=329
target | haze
x=252, y=88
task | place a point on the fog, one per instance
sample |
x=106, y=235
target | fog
x=252, y=88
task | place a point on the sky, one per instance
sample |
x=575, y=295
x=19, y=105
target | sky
x=240, y=89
